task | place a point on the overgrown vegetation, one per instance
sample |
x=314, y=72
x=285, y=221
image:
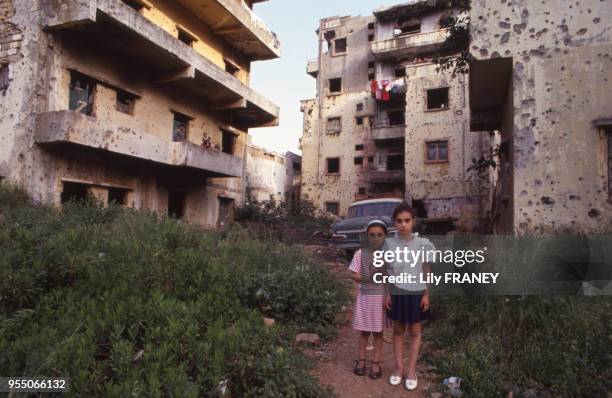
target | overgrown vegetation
x=540, y=346
x=129, y=304
x=454, y=55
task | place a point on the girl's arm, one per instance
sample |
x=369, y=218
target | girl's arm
x=356, y=276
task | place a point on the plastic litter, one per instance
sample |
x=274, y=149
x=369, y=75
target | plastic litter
x=453, y=383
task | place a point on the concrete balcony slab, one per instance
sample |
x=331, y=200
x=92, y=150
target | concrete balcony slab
x=409, y=45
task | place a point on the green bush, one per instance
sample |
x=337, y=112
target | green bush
x=128, y=304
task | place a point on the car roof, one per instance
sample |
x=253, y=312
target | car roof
x=370, y=201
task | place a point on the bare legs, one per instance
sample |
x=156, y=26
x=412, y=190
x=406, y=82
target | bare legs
x=378, y=344
x=399, y=330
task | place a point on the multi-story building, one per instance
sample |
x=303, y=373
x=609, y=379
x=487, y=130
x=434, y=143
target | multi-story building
x=143, y=102
x=386, y=123
x=542, y=81
x=272, y=176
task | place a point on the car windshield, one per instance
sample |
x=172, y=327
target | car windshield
x=372, y=209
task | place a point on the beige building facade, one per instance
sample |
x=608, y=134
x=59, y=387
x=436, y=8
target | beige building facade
x=385, y=123
x=542, y=82
x=143, y=102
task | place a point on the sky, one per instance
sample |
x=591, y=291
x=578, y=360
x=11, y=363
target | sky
x=284, y=80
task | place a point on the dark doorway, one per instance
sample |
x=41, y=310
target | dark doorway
x=226, y=212
x=395, y=162
x=117, y=196
x=228, y=142
x=74, y=192
x=176, y=203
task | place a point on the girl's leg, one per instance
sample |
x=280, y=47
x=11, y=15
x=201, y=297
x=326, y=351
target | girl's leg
x=378, y=345
x=415, y=345
x=363, y=343
x=398, y=347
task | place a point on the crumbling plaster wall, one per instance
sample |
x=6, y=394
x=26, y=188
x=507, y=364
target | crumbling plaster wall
x=562, y=79
x=266, y=174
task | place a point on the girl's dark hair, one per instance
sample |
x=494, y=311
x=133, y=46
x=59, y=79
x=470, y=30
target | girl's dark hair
x=402, y=207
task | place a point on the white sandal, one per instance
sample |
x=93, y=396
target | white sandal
x=410, y=384
x=395, y=380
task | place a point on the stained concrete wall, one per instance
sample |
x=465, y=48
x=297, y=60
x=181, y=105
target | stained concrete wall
x=562, y=82
x=267, y=176
x=39, y=82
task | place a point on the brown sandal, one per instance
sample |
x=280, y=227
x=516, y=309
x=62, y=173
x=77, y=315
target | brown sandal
x=375, y=375
x=362, y=370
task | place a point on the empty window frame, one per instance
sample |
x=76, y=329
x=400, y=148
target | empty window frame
x=436, y=151
x=117, y=196
x=408, y=26
x=180, y=127
x=358, y=160
x=334, y=125
x=396, y=118
x=437, y=98
x=400, y=72
x=81, y=96
x=332, y=207
x=370, y=25
x=228, y=142
x=332, y=165
x=231, y=67
x=125, y=102
x=371, y=37
x=359, y=120
x=4, y=77
x=335, y=85
x=359, y=147
x=185, y=36
x=359, y=107
x=176, y=203
x=74, y=192
x=340, y=46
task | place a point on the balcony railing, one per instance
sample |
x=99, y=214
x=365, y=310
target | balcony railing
x=412, y=44
x=74, y=129
x=385, y=175
x=312, y=67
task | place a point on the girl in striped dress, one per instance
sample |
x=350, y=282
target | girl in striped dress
x=369, y=314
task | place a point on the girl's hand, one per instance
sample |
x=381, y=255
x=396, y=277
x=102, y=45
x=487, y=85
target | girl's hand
x=425, y=302
x=388, y=302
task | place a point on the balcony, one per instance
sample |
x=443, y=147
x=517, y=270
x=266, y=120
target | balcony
x=312, y=68
x=113, y=26
x=72, y=129
x=409, y=45
x=382, y=130
x=377, y=176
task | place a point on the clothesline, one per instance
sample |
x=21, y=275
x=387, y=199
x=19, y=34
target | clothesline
x=381, y=89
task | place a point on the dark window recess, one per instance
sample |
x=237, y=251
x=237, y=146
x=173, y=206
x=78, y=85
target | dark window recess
x=396, y=118
x=400, y=72
x=176, y=203
x=185, y=37
x=359, y=120
x=74, y=192
x=125, y=102
x=332, y=207
x=371, y=64
x=608, y=132
x=370, y=25
x=118, y=196
x=134, y=4
x=81, y=94
x=395, y=162
x=362, y=191
x=329, y=35
x=371, y=159
x=297, y=167
x=359, y=147
x=335, y=85
x=437, y=98
x=437, y=151
x=333, y=165
x=231, y=67
x=371, y=37
x=180, y=127
x=359, y=107
x=358, y=160
x=226, y=211
x=340, y=46
x=371, y=76
x=4, y=77
x=409, y=26
x=228, y=142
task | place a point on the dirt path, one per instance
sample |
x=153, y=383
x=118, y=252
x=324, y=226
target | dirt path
x=335, y=359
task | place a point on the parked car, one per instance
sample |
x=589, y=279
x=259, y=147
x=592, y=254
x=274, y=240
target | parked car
x=350, y=233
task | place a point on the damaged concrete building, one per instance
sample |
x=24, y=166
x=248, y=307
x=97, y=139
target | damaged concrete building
x=272, y=176
x=542, y=81
x=142, y=102
x=385, y=123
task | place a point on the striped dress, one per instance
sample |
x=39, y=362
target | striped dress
x=369, y=314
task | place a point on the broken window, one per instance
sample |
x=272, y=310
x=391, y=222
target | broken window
x=334, y=125
x=371, y=76
x=400, y=72
x=436, y=151
x=117, y=196
x=359, y=107
x=81, y=94
x=359, y=147
x=408, y=26
x=359, y=120
x=231, y=67
x=396, y=118
x=176, y=203
x=226, y=211
x=332, y=207
x=125, y=102
x=340, y=46
x=185, y=36
x=135, y=4
x=228, y=141
x=74, y=192
x=335, y=85
x=370, y=25
x=4, y=78
x=437, y=98
x=358, y=160
x=395, y=162
x=180, y=127
x=371, y=37
x=333, y=165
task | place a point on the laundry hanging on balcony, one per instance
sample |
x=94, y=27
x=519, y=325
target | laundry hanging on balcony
x=397, y=86
x=381, y=89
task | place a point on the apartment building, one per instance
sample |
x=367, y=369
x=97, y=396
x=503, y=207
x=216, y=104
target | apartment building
x=386, y=123
x=542, y=82
x=142, y=102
